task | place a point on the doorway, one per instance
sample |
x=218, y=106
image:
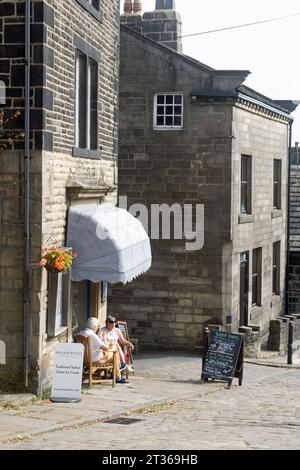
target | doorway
x=87, y=303
x=244, y=288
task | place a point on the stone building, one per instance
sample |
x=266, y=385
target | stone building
x=73, y=153
x=294, y=229
x=190, y=134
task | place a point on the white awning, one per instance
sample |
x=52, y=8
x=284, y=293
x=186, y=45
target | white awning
x=110, y=243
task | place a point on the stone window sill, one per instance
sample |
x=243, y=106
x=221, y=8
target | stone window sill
x=87, y=6
x=86, y=153
x=276, y=213
x=246, y=218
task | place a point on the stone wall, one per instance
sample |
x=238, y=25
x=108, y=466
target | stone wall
x=279, y=332
x=264, y=139
x=294, y=242
x=168, y=307
x=164, y=26
x=53, y=167
x=295, y=208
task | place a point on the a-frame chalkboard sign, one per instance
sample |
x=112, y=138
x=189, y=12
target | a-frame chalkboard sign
x=224, y=358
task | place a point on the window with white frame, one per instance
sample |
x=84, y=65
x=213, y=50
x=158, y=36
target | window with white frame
x=168, y=111
x=86, y=102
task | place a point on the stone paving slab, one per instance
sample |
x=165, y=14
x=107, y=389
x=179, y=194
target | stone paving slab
x=17, y=399
x=262, y=414
x=158, y=379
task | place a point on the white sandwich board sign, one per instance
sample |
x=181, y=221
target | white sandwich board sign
x=67, y=373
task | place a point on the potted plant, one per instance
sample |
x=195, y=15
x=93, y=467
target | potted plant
x=57, y=260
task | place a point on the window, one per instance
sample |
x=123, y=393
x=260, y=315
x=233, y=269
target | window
x=86, y=137
x=92, y=6
x=246, y=184
x=277, y=184
x=276, y=269
x=58, y=303
x=256, y=276
x=168, y=111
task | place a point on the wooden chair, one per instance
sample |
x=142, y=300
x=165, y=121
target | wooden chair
x=93, y=371
x=122, y=325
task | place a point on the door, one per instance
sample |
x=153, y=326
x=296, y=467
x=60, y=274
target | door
x=244, y=288
x=86, y=303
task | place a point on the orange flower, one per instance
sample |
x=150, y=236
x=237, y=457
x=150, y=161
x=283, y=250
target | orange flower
x=57, y=259
x=59, y=265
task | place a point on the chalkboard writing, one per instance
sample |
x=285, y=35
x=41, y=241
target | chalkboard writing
x=223, y=359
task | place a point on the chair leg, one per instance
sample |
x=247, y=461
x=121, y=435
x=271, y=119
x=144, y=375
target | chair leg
x=114, y=373
x=90, y=378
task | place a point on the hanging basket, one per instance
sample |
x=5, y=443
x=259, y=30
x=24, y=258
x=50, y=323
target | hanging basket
x=57, y=260
x=52, y=269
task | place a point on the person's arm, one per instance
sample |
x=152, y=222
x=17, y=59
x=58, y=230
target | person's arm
x=123, y=341
x=103, y=337
x=100, y=344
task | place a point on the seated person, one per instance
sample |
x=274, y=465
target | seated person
x=114, y=337
x=100, y=350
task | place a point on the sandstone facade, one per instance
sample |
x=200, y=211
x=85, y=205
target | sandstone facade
x=59, y=176
x=199, y=164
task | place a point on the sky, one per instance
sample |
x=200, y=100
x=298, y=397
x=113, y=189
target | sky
x=269, y=51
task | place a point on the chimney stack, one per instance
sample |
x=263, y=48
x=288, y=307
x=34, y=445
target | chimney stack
x=137, y=7
x=128, y=7
x=163, y=25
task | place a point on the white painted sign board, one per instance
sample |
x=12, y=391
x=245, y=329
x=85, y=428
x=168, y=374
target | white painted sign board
x=67, y=373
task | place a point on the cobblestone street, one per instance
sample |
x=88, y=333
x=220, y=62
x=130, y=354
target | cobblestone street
x=262, y=414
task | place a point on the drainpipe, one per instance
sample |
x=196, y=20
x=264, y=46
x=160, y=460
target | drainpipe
x=26, y=196
x=287, y=269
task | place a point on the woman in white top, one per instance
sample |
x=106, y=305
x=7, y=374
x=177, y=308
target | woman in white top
x=112, y=336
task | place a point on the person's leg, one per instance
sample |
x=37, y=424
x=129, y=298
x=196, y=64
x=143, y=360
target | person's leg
x=108, y=358
x=121, y=353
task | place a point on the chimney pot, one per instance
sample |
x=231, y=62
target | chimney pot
x=137, y=7
x=128, y=7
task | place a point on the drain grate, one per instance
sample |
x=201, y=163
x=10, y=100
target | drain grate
x=125, y=421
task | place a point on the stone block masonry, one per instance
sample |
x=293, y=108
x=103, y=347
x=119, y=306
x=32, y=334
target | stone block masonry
x=161, y=25
x=54, y=169
x=168, y=307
